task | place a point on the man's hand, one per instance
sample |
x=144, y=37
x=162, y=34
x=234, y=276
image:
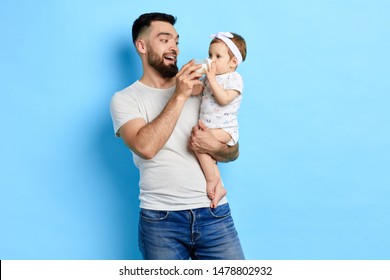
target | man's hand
x=187, y=79
x=197, y=90
x=203, y=141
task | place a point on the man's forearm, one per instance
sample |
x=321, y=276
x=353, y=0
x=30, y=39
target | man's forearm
x=153, y=136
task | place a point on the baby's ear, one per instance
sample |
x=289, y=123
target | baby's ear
x=233, y=63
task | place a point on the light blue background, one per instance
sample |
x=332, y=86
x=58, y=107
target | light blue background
x=312, y=180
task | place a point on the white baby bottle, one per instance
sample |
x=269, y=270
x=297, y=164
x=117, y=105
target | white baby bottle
x=206, y=62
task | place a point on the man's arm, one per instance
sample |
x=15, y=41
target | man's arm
x=146, y=139
x=203, y=141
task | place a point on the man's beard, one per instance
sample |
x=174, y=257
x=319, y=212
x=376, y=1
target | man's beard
x=157, y=62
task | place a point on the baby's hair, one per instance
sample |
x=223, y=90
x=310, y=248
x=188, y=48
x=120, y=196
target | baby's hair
x=238, y=41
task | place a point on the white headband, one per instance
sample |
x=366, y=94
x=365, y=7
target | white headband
x=224, y=36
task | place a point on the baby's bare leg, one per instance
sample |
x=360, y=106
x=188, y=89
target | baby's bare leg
x=211, y=173
x=219, y=191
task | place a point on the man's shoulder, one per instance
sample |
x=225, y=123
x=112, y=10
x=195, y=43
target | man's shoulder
x=127, y=93
x=128, y=90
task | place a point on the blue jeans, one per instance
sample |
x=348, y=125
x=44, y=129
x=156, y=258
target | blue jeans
x=199, y=234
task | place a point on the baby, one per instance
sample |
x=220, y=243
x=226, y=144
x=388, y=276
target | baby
x=221, y=97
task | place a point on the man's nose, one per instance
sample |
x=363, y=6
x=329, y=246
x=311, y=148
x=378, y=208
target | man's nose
x=174, y=47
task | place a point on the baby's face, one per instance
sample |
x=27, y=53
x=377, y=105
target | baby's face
x=219, y=54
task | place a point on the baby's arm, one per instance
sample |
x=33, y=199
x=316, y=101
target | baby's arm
x=223, y=97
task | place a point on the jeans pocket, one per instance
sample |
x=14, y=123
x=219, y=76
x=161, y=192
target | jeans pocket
x=222, y=211
x=153, y=215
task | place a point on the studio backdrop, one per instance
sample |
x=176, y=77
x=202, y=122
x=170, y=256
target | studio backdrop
x=312, y=180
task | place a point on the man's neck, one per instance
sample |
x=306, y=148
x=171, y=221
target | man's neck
x=158, y=83
x=153, y=79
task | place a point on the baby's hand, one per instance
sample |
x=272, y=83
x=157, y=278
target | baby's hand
x=211, y=70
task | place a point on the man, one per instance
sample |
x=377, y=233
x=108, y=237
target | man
x=154, y=117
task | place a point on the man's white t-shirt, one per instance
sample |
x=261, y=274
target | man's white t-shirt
x=173, y=179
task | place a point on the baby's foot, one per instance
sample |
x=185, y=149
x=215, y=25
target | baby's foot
x=219, y=193
x=212, y=185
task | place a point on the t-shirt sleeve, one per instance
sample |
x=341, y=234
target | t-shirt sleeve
x=123, y=108
x=235, y=82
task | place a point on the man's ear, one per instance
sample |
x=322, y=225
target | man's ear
x=141, y=46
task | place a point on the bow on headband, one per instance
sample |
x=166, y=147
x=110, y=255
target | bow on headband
x=225, y=36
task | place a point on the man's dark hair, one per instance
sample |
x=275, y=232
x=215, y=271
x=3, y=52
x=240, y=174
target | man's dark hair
x=144, y=21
